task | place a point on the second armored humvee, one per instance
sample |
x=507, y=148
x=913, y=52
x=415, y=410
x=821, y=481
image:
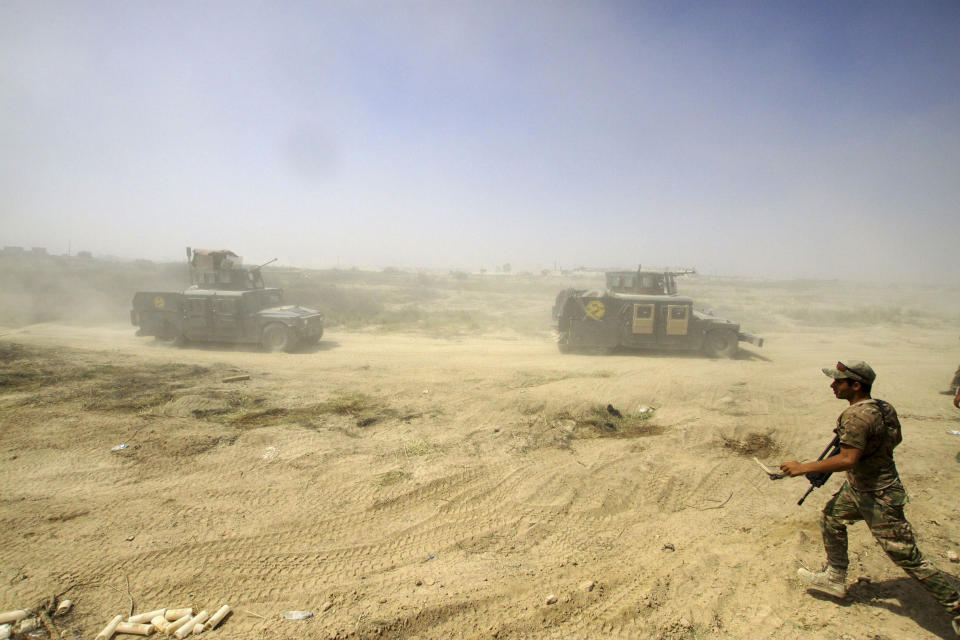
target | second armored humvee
x=226, y=303
x=642, y=310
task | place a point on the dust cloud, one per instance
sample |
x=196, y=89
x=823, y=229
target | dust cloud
x=430, y=177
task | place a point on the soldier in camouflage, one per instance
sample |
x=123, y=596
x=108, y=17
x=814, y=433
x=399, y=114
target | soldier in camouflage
x=868, y=431
x=955, y=383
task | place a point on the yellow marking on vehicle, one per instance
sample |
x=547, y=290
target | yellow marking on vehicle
x=596, y=309
x=159, y=302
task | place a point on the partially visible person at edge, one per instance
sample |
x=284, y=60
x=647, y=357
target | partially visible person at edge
x=868, y=431
x=954, y=389
x=954, y=384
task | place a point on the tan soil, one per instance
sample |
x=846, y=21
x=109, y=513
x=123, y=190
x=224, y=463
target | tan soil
x=446, y=488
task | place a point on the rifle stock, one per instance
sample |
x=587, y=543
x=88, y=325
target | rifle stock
x=820, y=479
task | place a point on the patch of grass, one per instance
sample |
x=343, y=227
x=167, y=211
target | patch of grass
x=533, y=408
x=558, y=430
x=391, y=478
x=754, y=444
x=102, y=387
x=598, y=421
x=350, y=404
x=528, y=379
x=129, y=389
x=419, y=448
x=366, y=409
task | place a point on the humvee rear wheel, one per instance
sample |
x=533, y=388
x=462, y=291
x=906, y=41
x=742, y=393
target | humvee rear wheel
x=276, y=337
x=721, y=343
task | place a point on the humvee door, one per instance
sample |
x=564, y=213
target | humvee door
x=198, y=322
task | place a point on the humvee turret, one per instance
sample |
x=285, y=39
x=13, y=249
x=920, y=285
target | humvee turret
x=226, y=302
x=642, y=310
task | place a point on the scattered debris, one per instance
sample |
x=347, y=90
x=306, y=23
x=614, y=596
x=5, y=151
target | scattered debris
x=64, y=607
x=13, y=616
x=719, y=506
x=551, y=599
x=953, y=432
x=179, y=622
x=147, y=616
x=119, y=447
x=175, y=626
x=668, y=547
x=298, y=615
x=110, y=629
x=952, y=556
x=326, y=606
x=28, y=625
x=193, y=625
x=236, y=378
x=176, y=614
x=588, y=585
x=135, y=629
x=5, y=631
x=613, y=412
x=216, y=618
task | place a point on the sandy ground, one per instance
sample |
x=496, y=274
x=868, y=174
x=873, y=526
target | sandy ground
x=401, y=486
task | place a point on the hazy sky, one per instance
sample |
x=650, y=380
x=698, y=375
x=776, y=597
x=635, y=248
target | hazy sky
x=797, y=139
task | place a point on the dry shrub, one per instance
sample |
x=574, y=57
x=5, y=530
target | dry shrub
x=392, y=477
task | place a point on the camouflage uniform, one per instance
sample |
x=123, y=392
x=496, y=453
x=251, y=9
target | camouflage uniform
x=955, y=383
x=873, y=493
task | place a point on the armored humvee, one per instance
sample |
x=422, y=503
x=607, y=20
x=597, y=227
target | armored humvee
x=226, y=302
x=642, y=310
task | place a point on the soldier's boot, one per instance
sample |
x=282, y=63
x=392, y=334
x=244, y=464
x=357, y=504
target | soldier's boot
x=830, y=581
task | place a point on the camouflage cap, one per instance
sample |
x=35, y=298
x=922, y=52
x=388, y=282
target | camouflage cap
x=853, y=369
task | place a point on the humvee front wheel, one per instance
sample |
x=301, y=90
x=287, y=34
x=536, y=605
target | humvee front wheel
x=276, y=337
x=721, y=343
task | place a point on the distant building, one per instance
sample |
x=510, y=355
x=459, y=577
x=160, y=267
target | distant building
x=12, y=251
x=38, y=251
x=84, y=255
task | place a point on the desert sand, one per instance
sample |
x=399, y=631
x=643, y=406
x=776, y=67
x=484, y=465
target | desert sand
x=401, y=485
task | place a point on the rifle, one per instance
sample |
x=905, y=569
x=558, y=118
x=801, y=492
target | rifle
x=820, y=479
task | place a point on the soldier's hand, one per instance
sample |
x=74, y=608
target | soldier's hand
x=792, y=468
